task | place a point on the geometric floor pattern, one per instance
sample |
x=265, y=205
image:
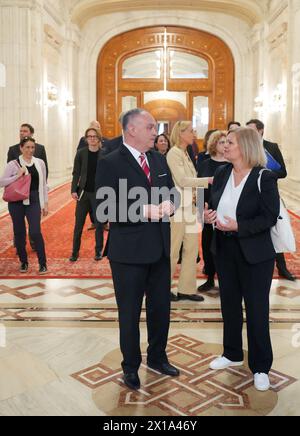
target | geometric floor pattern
x=198, y=391
x=91, y=315
x=93, y=301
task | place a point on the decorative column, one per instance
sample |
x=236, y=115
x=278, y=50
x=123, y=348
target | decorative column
x=15, y=58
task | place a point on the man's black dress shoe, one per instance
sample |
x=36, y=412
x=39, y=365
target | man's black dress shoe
x=132, y=380
x=165, y=368
x=191, y=297
x=174, y=297
x=73, y=258
x=98, y=256
x=207, y=286
x=286, y=275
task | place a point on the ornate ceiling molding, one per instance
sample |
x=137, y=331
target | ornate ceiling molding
x=251, y=11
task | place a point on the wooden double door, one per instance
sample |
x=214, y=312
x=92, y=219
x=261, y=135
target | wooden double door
x=176, y=73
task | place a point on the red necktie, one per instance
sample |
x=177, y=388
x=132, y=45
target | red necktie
x=145, y=167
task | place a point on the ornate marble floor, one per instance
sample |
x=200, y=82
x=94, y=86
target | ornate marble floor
x=59, y=355
x=76, y=371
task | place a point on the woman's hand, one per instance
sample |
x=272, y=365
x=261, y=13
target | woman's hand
x=230, y=226
x=45, y=211
x=21, y=172
x=210, y=216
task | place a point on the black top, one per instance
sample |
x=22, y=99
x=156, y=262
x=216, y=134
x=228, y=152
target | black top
x=208, y=168
x=202, y=157
x=35, y=178
x=91, y=172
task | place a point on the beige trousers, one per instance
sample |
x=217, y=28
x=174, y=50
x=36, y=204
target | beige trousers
x=188, y=235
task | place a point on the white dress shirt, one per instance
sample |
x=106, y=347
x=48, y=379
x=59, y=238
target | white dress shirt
x=230, y=198
x=136, y=154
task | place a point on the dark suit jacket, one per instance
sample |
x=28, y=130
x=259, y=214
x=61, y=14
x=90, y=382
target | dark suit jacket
x=256, y=213
x=80, y=170
x=191, y=153
x=141, y=242
x=275, y=152
x=82, y=143
x=110, y=145
x=40, y=152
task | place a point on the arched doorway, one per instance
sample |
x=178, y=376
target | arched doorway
x=174, y=72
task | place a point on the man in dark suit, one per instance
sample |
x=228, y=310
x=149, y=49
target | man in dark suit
x=139, y=246
x=26, y=130
x=110, y=145
x=277, y=165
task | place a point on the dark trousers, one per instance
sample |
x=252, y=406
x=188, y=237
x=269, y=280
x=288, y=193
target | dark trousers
x=209, y=262
x=87, y=202
x=280, y=261
x=239, y=280
x=131, y=283
x=32, y=213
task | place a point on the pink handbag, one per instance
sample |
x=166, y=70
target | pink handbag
x=18, y=190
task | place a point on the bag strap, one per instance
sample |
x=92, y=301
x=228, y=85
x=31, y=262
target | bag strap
x=17, y=162
x=259, y=179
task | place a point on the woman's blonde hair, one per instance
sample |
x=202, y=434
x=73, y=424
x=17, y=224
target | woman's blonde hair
x=179, y=128
x=251, y=146
x=213, y=141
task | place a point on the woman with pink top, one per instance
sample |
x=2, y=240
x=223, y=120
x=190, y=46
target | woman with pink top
x=30, y=208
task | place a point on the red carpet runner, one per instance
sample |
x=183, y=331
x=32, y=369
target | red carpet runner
x=58, y=231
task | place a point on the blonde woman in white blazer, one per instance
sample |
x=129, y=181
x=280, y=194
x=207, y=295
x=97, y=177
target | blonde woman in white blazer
x=184, y=225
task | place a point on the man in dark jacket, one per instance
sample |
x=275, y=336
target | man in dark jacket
x=26, y=130
x=277, y=165
x=139, y=250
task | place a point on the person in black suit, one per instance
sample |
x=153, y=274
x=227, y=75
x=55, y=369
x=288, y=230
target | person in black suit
x=139, y=247
x=14, y=152
x=110, y=145
x=277, y=165
x=203, y=155
x=83, y=192
x=208, y=168
x=244, y=252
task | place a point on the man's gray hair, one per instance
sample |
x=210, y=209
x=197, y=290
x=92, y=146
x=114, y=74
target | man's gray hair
x=128, y=116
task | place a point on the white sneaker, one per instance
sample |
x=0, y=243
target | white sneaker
x=223, y=363
x=262, y=382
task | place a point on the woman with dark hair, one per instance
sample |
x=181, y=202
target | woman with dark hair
x=162, y=144
x=30, y=208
